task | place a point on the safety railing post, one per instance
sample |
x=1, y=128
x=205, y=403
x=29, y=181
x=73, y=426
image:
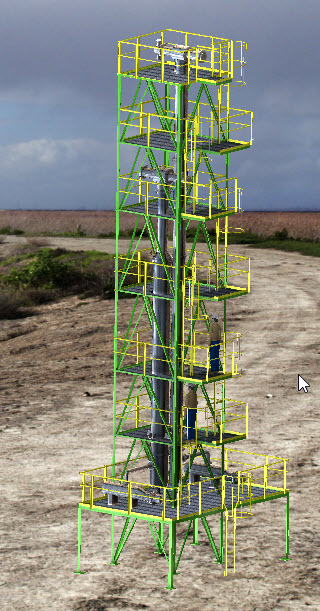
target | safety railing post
x=91, y=491
x=137, y=53
x=148, y=129
x=284, y=474
x=141, y=119
x=129, y=498
x=119, y=58
x=162, y=65
x=164, y=495
x=145, y=278
x=138, y=346
x=137, y=411
x=144, y=358
x=146, y=200
x=83, y=487
x=139, y=267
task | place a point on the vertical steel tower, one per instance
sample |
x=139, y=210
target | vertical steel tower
x=181, y=130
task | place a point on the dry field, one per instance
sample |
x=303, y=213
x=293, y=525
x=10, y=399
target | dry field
x=298, y=224
x=50, y=431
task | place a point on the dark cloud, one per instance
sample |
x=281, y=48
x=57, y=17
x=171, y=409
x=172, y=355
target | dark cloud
x=62, y=55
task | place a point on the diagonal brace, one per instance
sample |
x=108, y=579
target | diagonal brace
x=124, y=537
x=149, y=307
x=210, y=537
x=152, y=394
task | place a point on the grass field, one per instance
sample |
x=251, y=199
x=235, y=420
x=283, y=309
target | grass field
x=299, y=225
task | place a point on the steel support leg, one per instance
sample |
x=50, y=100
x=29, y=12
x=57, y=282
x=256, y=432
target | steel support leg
x=195, y=531
x=221, y=537
x=287, y=531
x=160, y=540
x=112, y=541
x=79, y=543
x=172, y=554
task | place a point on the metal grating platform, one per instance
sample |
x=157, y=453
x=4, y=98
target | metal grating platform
x=170, y=76
x=142, y=433
x=163, y=141
x=199, y=373
x=204, y=291
x=210, y=499
x=200, y=210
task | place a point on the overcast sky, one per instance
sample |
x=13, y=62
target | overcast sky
x=58, y=88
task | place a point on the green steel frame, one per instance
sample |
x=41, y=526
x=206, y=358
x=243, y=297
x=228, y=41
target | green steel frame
x=156, y=525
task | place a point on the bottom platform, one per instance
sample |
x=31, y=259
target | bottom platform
x=210, y=501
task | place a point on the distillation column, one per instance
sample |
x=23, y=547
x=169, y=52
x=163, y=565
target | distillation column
x=161, y=309
x=179, y=233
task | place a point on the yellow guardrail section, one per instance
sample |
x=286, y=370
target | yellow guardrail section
x=225, y=117
x=139, y=351
x=201, y=127
x=200, y=274
x=216, y=197
x=224, y=413
x=221, y=54
x=273, y=468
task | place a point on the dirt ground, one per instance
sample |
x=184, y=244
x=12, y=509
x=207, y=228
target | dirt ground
x=50, y=431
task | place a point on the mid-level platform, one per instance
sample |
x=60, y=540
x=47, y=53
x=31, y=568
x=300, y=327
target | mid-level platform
x=202, y=437
x=199, y=374
x=205, y=292
x=164, y=142
x=200, y=211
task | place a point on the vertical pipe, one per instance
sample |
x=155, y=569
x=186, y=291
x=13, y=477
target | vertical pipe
x=159, y=365
x=181, y=112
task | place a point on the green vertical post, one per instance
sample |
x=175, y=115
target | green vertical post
x=172, y=554
x=221, y=537
x=160, y=533
x=79, y=543
x=226, y=221
x=195, y=538
x=116, y=286
x=112, y=541
x=287, y=530
x=177, y=299
x=221, y=514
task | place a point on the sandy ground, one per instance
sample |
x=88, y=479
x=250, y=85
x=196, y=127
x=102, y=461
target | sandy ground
x=50, y=431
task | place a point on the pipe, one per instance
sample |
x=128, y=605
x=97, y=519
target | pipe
x=160, y=386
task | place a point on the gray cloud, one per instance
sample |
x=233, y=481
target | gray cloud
x=63, y=55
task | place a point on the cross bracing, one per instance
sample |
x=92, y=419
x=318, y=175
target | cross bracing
x=180, y=129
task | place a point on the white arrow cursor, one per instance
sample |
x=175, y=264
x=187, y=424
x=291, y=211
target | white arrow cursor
x=302, y=384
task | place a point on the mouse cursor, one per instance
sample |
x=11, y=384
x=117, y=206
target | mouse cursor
x=302, y=384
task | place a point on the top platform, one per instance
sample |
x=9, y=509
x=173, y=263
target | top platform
x=181, y=58
x=170, y=76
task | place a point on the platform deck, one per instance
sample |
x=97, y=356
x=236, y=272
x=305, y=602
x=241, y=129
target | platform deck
x=163, y=142
x=210, y=500
x=170, y=76
x=205, y=292
x=199, y=373
x=210, y=439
